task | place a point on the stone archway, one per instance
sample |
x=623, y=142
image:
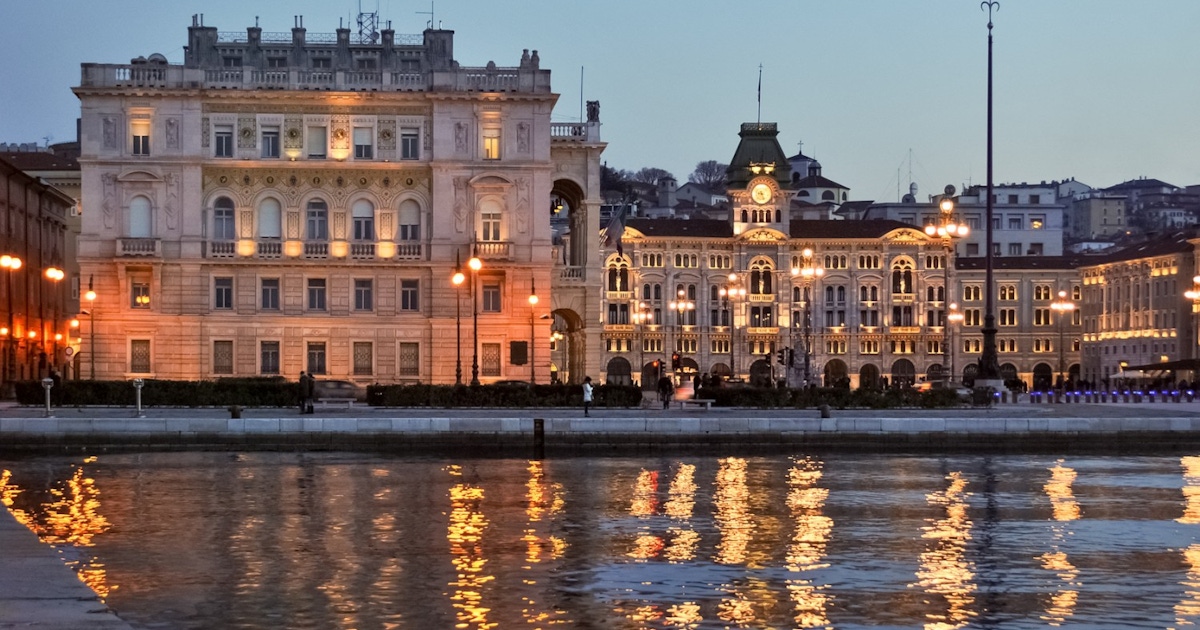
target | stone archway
x=969, y=373
x=618, y=372
x=904, y=373
x=1043, y=377
x=868, y=377
x=568, y=219
x=1010, y=375
x=934, y=372
x=569, y=354
x=836, y=373
x=651, y=372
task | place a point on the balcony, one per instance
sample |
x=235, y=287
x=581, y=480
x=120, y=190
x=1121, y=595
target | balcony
x=494, y=250
x=316, y=251
x=408, y=251
x=904, y=330
x=761, y=297
x=139, y=247
x=619, y=296
x=362, y=251
x=762, y=330
x=575, y=132
x=571, y=275
x=222, y=249
x=269, y=249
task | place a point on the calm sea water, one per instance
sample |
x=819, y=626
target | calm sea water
x=287, y=540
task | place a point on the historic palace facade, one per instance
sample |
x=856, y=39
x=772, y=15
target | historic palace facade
x=293, y=201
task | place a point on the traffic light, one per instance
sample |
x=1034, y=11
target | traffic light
x=675, y=361
x=782, y=354
x=791, y=357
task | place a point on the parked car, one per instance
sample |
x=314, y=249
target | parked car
x=339, y=389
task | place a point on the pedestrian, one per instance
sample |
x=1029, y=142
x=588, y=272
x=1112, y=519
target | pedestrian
x=310, y=387
x=302, y=392
x=587, y=395
x=665, y=388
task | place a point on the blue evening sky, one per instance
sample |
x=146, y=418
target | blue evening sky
x=1099, y=90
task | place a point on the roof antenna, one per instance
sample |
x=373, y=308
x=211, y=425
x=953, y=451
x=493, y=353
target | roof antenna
x=429, y=13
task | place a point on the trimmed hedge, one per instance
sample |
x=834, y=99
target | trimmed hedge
x=247, y=392
x=611, y=396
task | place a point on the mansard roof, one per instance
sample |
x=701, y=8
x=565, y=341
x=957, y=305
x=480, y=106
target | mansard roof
x=758, y=145
x=825, y=229
x=817, y=181
x=1177, y=242
x=703, y=228
x=979, y=263
x=40, y=161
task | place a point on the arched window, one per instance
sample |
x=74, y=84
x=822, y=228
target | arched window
x=140, y=218
x=618, y=277
x=929, y=294
x=828, y=196
x=658, y=291
x=760, y=278
x=714, y=293
x=841, y=294
x=691, y=292
x=270, y=218
x=316, y=223
x=902, y=278
x=646, y=291
x=362, y=213
x=410, y=221
x=862, y=293
x=828, y=295
x=223, y=220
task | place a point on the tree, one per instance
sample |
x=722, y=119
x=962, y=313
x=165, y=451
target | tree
x=709, y=174
x=614, y=178
x=651, y=175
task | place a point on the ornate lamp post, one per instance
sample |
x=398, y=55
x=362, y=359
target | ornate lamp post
x=457, y=280
x=954, y=318
x=10, y=264
x=681, y=306
x=1193, y=294
x=641, y=318
x=1062, y=306
x=731, y=291
x=474, y=264
x=533, y=300
x=90, y=296
x=55, y=275
x=947, y=229
x=989, y=359
x=808, y=271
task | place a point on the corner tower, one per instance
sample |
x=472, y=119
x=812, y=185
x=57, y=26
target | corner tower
x=758, y=181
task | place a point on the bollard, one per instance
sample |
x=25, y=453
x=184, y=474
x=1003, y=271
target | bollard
x=824, y=409
x=235, y=411
x=137, y=386
x=539, y=438
x=47, y=383
x=1150, y=395
x=1191, y=395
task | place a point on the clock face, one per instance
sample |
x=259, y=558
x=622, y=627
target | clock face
x=761, y=193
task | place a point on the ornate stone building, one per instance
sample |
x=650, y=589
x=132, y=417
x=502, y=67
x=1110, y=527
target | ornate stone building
x=295, y=201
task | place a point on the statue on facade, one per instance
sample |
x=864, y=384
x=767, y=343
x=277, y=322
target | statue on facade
x=593, y=111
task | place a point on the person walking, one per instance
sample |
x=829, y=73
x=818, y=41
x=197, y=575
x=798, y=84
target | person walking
x=302, y=392
x=310, y=388
x=665, y=388
x=587, y=395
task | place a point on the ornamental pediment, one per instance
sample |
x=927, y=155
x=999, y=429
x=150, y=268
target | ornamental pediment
x=139, y=175
x=763, y=235
x=905, y=235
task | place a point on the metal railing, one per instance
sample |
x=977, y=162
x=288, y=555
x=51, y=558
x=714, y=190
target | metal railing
x=139, y=247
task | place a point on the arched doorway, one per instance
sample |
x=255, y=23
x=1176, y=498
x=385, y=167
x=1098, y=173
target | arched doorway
x=969, y=374
x=567, y=219
x=1073, y=374
x=567, y=347
x=1043, y=377
x=619, y=372
x=688, y=369
x=721, y=370
x=837, y=374
x=868, y=377
x=1009, y=374
x=650, y=375
x=760, y=374
x=934, y=372
x=904, y=373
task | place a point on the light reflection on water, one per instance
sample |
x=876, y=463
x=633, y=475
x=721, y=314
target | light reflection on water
x=270, y=540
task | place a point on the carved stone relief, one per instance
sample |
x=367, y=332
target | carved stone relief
x=110, y=132
x=172, y=133
x=460, y=204
x=247, y=224
x=247, y=132
x=293, y=224
x=339, y=132
x=522, y=137
x=110, y=199
x=204, y=131
x=460, y=137
x=522, y=205
x=171, y=207
x=339, y=225
x=316, y=109
x=293, y=133
x=387, y=135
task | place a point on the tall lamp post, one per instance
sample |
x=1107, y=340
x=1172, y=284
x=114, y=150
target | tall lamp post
x=533, y=300
x=732, y=292
x=642, y=317
x=808, y=272
x=10, y=264
x=90, y=296
x=1062, y=306
x=474, y=264
x=947, y=229
x=989, y=358
x=681, y=306
x=1193, y=294
x=457, y=279
x=954, y=318
x=55, y=275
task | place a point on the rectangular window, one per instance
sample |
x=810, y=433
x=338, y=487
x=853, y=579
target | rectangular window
x=223, y=224
x=139, y=356
x=316, y=294
x=1041, y=317
x=1008, y=317
x=410, y=147
x=277, y=62
x=364, y=228
x=318, y=143
x=410, y=295
x=1015, y=223
x=1036, y=249
x=491, y=298
x=490, y=224
x=489, y=359
x=1012, y=199
x=1035, y=199
x=1014, y=249
x=363, y=295
x=971, y=317
x=223, y=293
x=363, y=358
x=231, y=62
x=1037, y=222
x=139, y=295
x=223, y=145
x=270, y=294
x=268, y=357
x=363, y=149
x=491, y=143
x=318, y=223
x=409, y=361
x=140, y=132
x=322, y=62
x=316, y=357
x=222, y=357
x=270, y=142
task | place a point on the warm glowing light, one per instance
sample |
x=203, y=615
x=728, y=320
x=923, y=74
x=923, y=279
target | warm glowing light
x=4, y=330
x=945, y=571
x=533, y=300
x=293, y=249
x=807, y=253
x=11, y=263
x=947, y=205
x=458, y=278
x=1191, y=491
x=74, y=323
x=464, y=532
x=90, y=296
x=58, y=336
x=339, y=249
x=1188, y=609
x=54, y=273
x=810, y=538
x=732, y=512
x=1062, y=498
x=32, y=334
x=385, y=249
x=475, y=264
x=246, y=248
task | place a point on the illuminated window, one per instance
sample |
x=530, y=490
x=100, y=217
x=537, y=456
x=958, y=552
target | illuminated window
x=140, y=295
x=1037, y=223
x=491, y=143
x=139, y=130
x=490, y=224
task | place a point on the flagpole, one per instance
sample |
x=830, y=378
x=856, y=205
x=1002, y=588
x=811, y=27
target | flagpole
x=760, y=93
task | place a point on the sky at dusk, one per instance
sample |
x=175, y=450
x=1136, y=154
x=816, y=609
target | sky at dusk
x=1099, y=90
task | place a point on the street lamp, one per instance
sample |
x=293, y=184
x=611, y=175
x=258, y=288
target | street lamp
x=475, y=265
x=90, y=296
x=731, y=291
x=681, y=306
x=642, y=317
x=989, y=358
x=1062, y=306
x=953, y=319
x=10, y=264
x=533, y=300
x=947, y=229
x=809, y=271
x=1194, y=295
x=457, y=279
x=55, y=275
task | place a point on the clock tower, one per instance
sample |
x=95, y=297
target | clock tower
x=758, y=181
